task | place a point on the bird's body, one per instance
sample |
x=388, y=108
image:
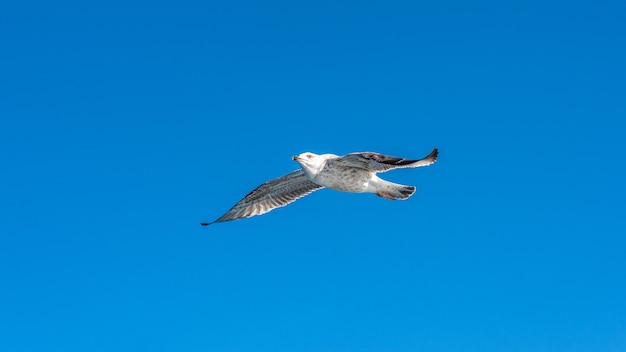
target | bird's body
x=345, y=174
x=329, y=174
x=354, y=173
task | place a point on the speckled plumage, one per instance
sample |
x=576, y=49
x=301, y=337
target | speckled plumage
x=354, y=173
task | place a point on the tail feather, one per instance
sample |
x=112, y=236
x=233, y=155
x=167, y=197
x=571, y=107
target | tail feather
x=395, y=191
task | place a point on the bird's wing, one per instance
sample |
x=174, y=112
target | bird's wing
x=380, y=163
x=272, y=194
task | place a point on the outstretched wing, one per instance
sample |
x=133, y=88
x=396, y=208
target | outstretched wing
x=270, y=195
x=379, y=163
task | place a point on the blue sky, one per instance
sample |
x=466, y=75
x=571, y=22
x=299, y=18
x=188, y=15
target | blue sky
x=125, y=124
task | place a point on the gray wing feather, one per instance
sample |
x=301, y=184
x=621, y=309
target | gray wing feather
x=270, y=195
x=380, y=163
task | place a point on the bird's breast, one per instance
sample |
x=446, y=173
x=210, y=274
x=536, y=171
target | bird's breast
x=343, y=178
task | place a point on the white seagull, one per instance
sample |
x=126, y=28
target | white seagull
x=355, y=173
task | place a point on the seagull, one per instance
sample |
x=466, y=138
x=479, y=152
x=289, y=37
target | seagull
x=354, y=173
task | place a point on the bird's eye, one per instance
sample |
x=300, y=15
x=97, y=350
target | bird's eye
x=309, y=156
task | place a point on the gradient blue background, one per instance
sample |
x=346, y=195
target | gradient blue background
x=125, y=124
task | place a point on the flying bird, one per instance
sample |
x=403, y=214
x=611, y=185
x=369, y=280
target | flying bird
x=355, y=173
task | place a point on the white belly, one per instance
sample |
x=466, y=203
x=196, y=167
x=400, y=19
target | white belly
x=344, y=179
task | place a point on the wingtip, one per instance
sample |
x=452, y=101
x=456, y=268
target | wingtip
x=205, y=223
x=434, y=154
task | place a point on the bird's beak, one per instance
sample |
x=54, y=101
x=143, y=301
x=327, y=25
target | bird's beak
x=295, y=157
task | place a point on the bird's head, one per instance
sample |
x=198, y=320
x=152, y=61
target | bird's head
x=309, y=161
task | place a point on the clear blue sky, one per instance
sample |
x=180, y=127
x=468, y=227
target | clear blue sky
x=125, y=124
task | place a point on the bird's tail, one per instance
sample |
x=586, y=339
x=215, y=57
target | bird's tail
x=394, y=191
